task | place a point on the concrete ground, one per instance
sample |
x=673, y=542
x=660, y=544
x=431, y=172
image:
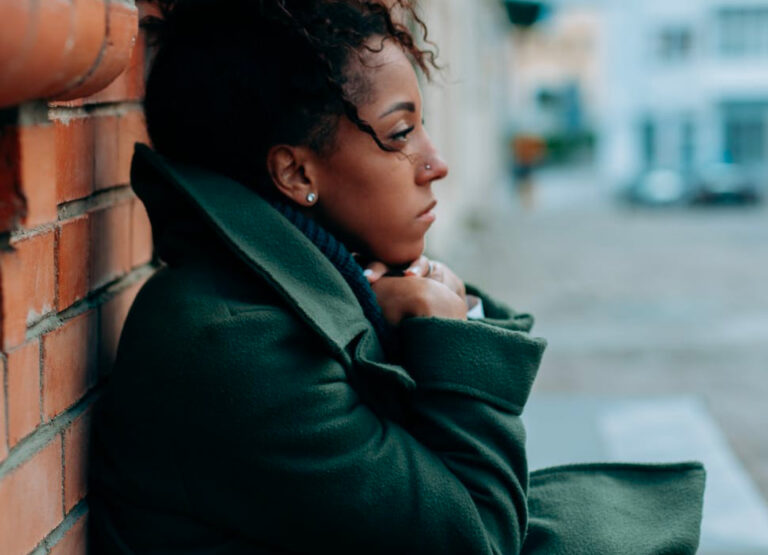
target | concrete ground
x=635, y=302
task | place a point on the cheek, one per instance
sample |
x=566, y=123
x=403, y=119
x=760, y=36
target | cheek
x=372, y=207
x=392, y=235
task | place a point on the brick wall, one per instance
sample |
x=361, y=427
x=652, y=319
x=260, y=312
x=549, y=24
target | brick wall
x=75, y=246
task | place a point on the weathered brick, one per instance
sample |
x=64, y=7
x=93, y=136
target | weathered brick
x=80, y=52
x=69, y=363
x=38, y=55
x=132, y=129
x=38, y=173
x=76, y=439
x=113, y=314
x=74, y=541
x=129, y=85
x=3, y=439
x=73, y=260
x=74, y=159
x=23, y=390
x=27, y=282
x=31, y=500
x=141, y=235
x=110, y=243
x=116, y=52
x=11, y=200
x=106, y=154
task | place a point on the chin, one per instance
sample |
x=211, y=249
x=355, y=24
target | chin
x=399, y=255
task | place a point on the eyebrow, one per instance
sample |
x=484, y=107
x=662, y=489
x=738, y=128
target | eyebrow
x=409, y=106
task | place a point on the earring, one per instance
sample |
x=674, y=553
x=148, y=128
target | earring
x=311, y=198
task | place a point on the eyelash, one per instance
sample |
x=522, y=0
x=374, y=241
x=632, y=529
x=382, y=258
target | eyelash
x=402, y=135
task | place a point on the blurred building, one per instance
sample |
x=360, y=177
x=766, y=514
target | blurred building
x=555, y=81
x=465, y=106
x=677, y=84
x=686, y=84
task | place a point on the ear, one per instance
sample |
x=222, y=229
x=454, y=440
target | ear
x=287, y=166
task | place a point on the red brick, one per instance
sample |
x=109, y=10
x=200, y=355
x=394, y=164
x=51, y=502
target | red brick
x=82, y=49
x=129, y=85
x=38, y=173
x=73, y=260
x=132, y=129
x=122, y=28
x=69, y=363
x=3, y=439
x=106, y=154
x=17, y=31
x=23, y=391
x=74, y=541
x=31, y=500
x=37, y=58
x=141, y=235
x=76, y=439
x=74, y=159
x=113, y=314
x=110, y=243
x=11, y=200
x=26, y=285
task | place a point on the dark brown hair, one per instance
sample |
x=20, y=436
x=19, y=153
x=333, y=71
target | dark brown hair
x=231, y=78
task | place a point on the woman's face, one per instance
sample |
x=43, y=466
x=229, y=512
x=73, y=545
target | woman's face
x=381, y=203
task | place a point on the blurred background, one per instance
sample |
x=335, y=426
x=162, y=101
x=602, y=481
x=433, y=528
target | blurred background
x=609, y=172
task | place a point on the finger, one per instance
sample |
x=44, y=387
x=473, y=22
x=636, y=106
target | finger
x=436, y=272
x=374, y=271
x=420, y=268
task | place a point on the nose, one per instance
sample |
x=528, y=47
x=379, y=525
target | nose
x=432, y=167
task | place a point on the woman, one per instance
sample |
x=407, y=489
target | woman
x=274, y=393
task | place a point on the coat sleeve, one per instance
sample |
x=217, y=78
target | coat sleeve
x=295, y=456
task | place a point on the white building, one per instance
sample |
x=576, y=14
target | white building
x=677, y=84
x=686, y=84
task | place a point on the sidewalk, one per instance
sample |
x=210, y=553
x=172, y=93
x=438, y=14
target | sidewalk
x=650, y=315
x=636, y=302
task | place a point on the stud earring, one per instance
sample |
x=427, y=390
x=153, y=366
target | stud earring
x=311, y=198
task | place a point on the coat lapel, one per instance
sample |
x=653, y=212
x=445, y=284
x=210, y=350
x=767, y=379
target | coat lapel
x=266, y=241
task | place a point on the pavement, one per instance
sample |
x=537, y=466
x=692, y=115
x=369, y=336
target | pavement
x=640, y=305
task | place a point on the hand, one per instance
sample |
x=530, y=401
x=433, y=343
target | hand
x=423, y=267
x=404, y=297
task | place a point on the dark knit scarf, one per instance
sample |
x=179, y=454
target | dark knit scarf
x=349, y=269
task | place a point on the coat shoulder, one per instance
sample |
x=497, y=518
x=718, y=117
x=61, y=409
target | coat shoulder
x=187, y=299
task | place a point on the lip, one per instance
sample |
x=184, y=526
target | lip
x=428, y=214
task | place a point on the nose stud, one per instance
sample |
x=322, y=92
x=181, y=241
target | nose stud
x=427, y=167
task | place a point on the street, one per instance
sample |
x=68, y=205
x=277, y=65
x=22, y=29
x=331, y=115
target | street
x=635, y=301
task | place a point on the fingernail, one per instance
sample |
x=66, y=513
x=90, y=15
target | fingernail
x=413, y=270
x=367, y=272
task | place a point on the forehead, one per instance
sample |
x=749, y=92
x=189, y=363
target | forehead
x=386, y=75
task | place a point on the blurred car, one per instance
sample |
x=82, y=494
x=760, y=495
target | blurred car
x=722, y=183
x=727, y=184
x=658, y=187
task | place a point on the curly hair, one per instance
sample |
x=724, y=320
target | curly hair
x=231, y=78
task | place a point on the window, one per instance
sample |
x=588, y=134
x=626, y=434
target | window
x=687, y=143
x=675, y=43
x=744, y=126
x=743, y=32
x=648, y=142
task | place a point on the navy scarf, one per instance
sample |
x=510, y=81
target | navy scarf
x=349, y=269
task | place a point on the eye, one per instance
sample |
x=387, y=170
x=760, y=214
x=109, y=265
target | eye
x=402, y=135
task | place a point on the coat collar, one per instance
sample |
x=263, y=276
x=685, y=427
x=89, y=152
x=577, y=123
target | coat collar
x=265, y=240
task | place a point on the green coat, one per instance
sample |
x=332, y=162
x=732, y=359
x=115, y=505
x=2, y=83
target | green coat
x=251, y=411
